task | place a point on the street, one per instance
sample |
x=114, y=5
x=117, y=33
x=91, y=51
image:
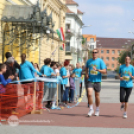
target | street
x=75, y=120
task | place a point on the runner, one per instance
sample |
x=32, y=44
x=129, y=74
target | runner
x=94, y=67
x=126, y=74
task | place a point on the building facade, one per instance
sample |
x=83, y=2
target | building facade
x=110, y=48
x=36, y=49
x=73, y=32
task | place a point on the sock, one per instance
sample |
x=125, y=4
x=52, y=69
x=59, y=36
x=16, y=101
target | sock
x=125, y=112
x=91, y=107
x=54, y=104
x=97, y=108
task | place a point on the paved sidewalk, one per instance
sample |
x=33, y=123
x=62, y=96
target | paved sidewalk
x=61, y=130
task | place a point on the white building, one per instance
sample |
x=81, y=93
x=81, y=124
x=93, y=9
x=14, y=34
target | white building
x=73, y=32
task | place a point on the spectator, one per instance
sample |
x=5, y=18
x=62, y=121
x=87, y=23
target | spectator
x=11, y=67
x=78, y=74
x=65, y=76
x=37, y=68
x=47, y=71
x=72, y=87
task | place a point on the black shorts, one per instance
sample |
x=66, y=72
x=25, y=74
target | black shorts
x=95, y=85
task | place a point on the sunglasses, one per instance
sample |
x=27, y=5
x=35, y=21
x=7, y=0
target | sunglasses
x=94, y=52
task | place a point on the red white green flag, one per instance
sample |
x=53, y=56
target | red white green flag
x=62, y=47
x=60, y=33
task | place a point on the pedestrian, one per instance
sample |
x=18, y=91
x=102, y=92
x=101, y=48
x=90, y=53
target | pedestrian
x=57, y=69
x=65, y=76
x=12, y=66
x=126, y=74
x=67, y=86
x=94, y=68
x=26, y=72
x=47, y=71
x=78, y=74
x=3, y=89
x=72, y=87
x=36, y=66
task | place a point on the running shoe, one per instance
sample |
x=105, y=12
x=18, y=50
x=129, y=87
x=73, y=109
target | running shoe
x=125, y=115
x=97, y=112
x=90, y=113
x=122, y=107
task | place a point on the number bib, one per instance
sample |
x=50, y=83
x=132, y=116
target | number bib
x=93, y=72
x=126, y=78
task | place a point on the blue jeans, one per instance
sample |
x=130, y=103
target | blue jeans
x=65, y=95
x=72, y=95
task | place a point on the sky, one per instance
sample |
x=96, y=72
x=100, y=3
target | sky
x=109, y=18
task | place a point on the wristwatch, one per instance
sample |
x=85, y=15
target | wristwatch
x=97, y=70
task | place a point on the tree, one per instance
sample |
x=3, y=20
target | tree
x=122, y=56
x=90, y=54
x=83, y=40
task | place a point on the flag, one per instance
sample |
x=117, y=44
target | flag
x=60, y=33
x=62, y=47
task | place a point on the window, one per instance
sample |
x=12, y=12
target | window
x=113, y=65
x=107, y=65
x=113, y=58
x=102, y=51
x=118, y=51
x=91, y=47
x=113, y=52
x=107, y=58
x=91, y=39
x=102, y=58
x=67, y=27
x=107, y=51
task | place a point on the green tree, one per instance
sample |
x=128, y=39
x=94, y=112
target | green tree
x=83, y=40
x=90, y=54
x=122, y=56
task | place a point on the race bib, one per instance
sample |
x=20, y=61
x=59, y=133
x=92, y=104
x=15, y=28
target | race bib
x=93, y=72
x=126, y=78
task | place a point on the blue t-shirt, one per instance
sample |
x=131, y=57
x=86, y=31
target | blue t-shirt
x=27, y=70
x=63, y=72
x=95, y=76
x=46, y=70
x=124, y=72
x=78, y=73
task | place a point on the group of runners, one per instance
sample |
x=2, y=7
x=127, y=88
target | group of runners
x=95, y=67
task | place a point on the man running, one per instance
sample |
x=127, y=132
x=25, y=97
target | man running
x=94, y=68
x=126, y=74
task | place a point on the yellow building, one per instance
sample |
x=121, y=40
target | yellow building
x=41, y=48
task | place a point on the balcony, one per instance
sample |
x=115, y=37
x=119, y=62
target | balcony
x=69, y=33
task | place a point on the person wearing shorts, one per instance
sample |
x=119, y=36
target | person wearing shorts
x=126, y=74
x=94, y=68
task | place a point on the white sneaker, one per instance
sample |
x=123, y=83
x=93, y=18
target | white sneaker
x=97, y=112
x=90, y=113
x=125, y=116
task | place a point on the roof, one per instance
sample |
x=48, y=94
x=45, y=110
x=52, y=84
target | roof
x=79, y=12
x=71, y=2
x=88, y=36
x=114, y=42
x=69, y=11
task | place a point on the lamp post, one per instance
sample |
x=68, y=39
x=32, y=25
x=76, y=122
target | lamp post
x=79, y=38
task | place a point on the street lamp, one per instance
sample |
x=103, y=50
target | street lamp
x=79, y=37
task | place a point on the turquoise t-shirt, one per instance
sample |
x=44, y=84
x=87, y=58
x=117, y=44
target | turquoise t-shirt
x=63, y=72
x=95, y=76
x=27, y=71
x=124, y=72
x=46, y=70
x=78, y=73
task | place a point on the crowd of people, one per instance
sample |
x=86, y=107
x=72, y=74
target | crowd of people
x=94, y=68
x=12, y=71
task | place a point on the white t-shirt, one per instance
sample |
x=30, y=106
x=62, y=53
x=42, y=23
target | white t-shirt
x=57, y=71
